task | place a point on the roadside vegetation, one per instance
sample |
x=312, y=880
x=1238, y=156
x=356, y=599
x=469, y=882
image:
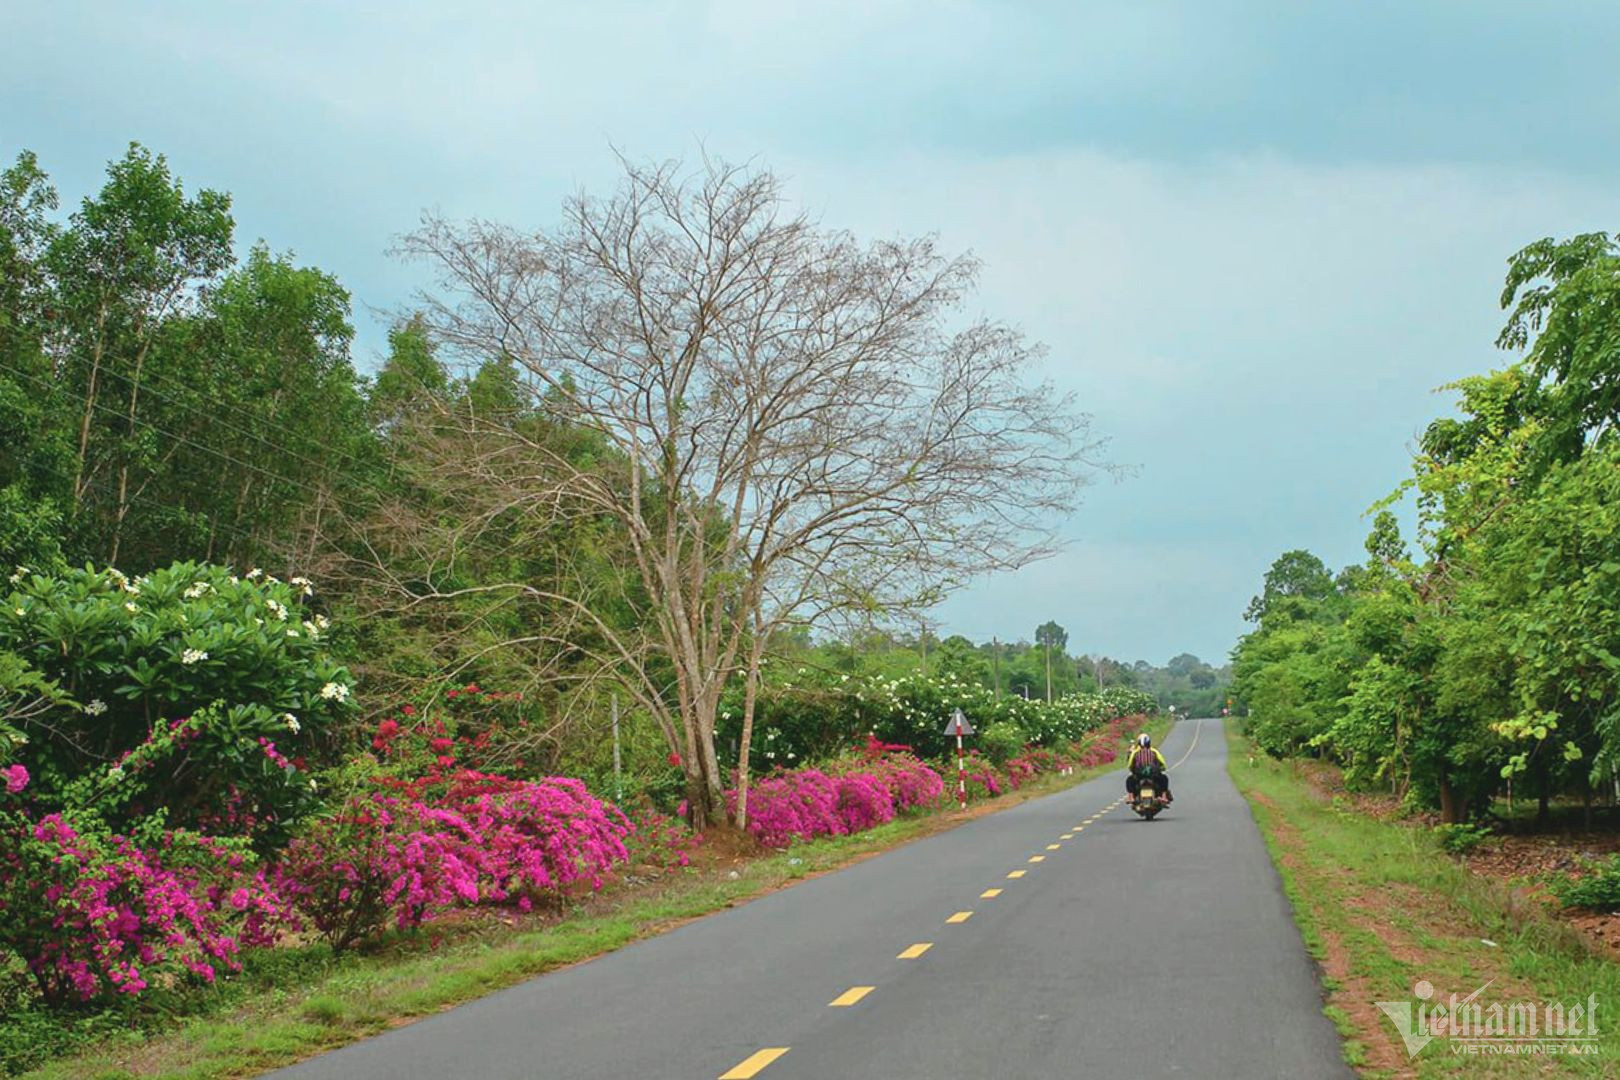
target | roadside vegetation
x=335, y=698
x=1383, y=906
x=1467, y=679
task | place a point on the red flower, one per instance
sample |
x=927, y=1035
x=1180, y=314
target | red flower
x=675, y=759
x=408, y=710
x=386, y=732
x=451, y=693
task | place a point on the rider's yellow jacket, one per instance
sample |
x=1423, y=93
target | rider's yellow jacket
x=1154, y=750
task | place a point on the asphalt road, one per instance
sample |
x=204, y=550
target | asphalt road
x=1132, y=949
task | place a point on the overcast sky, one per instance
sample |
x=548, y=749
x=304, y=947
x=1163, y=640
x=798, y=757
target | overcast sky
x=1255, y=236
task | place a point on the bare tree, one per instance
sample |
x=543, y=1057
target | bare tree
x=802, y=425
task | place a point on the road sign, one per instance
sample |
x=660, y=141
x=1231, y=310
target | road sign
x=958, y=725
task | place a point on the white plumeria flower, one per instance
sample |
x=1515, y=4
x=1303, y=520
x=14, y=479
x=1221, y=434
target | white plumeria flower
x=95, y=708
x=116, y=773
x=234, y=580
x=310, y=628
x=335, y=692
x=255, y=574
x=198, y=590
x=322, y=622
x=277, y=608
x=20, y=611
x=292, y=723
x=22, y=572
x=129, y=606
x=292, y=631
x=304, y=585
x=192, y=656
x=313, y=786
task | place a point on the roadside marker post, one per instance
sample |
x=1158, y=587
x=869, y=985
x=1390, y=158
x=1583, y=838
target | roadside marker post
x=959, y=725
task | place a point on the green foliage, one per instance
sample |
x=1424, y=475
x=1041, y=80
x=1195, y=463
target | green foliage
x=187, y=692
x=1000, y=741
x=796, y=722
x=1494, y=651
x=1460, y=839
x=1597, y=890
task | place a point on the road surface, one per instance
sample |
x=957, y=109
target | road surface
x=1060, y=938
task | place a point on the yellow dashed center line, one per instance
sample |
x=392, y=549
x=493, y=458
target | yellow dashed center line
x=1037, y=858
x=1067, y=836
x=960, y=916
x=1016, y=874
x=750, y=1067
x=916, y=950
x=851, y=996
x=989, y=894
x=1053, y=847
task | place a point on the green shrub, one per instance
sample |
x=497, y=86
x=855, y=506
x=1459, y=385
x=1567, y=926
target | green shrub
x=1460, y=839
x=189, y=694
x=1597, y=890
x=1002, y=741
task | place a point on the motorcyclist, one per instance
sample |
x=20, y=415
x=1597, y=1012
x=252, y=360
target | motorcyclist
x=1146, y=761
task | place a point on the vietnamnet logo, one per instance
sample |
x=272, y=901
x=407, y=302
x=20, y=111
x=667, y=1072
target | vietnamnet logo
x=1471, y=1027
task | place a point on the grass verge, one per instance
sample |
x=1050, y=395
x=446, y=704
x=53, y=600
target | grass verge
x=292, y=1003
x=1382, y=909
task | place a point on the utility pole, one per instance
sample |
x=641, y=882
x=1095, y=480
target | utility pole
x=1049, y=673
x=995, y=663
x=618, y=777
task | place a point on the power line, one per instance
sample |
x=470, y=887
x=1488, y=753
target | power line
x=123, y=418
x=167, y=381
x=195, y=409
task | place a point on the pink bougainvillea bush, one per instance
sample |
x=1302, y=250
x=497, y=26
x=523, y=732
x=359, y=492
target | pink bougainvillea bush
x=864, y=802
x=403, y=847
x=789, y=806
x=853, y=794
x=911, y=782
x=95, y=915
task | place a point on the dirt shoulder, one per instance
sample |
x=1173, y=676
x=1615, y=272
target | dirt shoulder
x=1392, y=919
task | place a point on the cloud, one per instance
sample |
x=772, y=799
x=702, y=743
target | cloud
x=1253, y=238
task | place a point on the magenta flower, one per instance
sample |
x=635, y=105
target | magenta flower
x=16, y=778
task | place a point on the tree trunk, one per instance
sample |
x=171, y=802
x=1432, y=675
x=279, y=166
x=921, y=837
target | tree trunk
x=750, y=696
x=1450, y=810
x=89, y=405
x=1544, y=782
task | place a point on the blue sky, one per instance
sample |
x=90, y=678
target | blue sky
x=1255, y=236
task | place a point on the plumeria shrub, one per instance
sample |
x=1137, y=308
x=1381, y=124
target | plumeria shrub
x=190, y=690
x=815, y=715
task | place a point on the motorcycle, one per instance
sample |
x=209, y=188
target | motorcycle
x=1149, y=799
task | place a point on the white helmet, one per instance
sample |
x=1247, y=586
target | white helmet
x=1144, y=740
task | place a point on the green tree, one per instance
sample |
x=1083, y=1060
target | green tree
x=1049, y=635
x=132, y=256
